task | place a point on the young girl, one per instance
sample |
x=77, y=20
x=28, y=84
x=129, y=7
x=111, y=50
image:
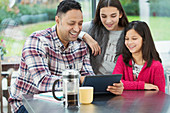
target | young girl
x=137, y=59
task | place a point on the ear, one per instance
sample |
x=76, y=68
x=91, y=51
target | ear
x=57, y=20
x=121, y=14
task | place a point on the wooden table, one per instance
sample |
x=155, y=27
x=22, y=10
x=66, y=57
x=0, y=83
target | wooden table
x=128, y=102
x=11, y=62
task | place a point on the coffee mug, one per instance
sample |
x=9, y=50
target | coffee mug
x=86, y=95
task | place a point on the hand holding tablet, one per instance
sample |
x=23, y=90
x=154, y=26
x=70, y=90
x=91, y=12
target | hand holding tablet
x=101, y=82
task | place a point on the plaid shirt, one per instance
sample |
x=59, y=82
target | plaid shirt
x=44, y=58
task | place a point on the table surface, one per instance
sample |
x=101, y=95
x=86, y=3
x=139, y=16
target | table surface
x=10, y=62
x=128, y=102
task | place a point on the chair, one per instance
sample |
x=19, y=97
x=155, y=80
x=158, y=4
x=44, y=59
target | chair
x=168, y=79
x=7, y=75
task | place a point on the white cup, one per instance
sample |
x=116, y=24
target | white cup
x=86, y=95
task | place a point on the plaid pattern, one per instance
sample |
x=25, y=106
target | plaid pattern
x=44, y=58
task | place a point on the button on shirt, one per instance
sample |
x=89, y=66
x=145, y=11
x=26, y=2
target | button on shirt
x=44, y=58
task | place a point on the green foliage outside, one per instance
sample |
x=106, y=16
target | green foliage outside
x=131, y=7
x=27, y=14
x=133, y=18
x=158, y=26
x=4, y=4
x=13, y=46
x=37, y=26
x=160, y=8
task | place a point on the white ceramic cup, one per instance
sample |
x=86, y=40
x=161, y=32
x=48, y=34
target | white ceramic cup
x=86, y=95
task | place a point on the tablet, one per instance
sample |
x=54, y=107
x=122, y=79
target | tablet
x=101, y=82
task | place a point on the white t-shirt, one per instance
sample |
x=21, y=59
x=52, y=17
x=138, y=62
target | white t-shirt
x=108, y=61
x=136, y=69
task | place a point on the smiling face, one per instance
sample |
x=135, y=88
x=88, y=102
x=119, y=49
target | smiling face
x=133, y=42
x=110, y=18
x=69, y=26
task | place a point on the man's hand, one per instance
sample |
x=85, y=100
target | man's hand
x=116, y=89
x=151, y=86
x=93, y=44
x=82, y=79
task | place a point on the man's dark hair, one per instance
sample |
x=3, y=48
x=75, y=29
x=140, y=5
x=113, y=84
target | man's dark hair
x=67, y=5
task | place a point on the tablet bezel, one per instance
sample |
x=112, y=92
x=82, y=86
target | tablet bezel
x=101, y=82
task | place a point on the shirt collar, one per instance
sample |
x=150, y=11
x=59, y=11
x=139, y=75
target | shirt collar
x=57, y=40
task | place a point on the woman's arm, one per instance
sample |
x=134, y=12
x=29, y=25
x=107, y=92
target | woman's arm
x=93, y=44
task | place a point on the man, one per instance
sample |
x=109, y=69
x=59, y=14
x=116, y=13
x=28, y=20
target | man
x=48, y=52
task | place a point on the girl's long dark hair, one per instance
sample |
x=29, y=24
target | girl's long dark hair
x=113, y=3
x=149, y=51
x=100, y=33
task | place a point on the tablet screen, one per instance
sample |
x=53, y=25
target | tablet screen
x=101, y=82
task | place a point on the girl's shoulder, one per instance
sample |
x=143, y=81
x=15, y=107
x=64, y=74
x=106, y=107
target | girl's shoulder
x=120, y=57
x=156, y=63
x=88, y=23
x=86, y=26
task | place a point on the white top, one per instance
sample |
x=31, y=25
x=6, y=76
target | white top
x=108, y=61
x=136, y=69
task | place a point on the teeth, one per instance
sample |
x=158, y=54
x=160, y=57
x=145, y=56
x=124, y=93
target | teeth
x=132, y=46
x=73, y=33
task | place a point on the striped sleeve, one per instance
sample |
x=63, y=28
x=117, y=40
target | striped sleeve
x=34, y=54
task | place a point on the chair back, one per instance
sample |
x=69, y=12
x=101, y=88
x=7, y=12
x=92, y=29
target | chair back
x=167, y=72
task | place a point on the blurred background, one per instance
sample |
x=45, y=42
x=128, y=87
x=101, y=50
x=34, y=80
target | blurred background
x=19, y=18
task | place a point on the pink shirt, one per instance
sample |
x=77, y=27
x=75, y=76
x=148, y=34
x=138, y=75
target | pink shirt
x=153, y=74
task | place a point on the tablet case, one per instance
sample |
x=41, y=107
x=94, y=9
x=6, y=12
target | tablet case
x=101, y=82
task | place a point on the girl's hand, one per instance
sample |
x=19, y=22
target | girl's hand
x=151, y=86
x=93, y=44
x=116, y=89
